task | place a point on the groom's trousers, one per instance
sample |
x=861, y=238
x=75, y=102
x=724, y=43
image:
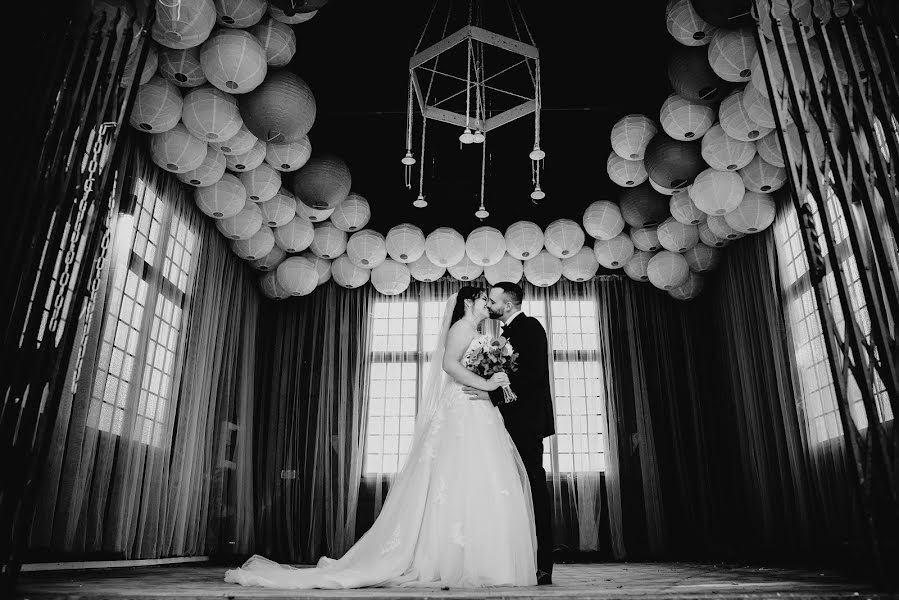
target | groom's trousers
x=531, y=451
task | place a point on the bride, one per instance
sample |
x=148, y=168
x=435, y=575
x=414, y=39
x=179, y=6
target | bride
x=459, y=513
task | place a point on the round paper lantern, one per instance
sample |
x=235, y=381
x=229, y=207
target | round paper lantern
x=183, y=24
x=243, y=225
x=288, y=156
x=692, y=77
x=424, y=270
x=666, y=191
x=736, y=120
x=281, y=109
x=580, y=267
x=603, y=220
x=176, y=150
x=485, y=246
x=405, y=243
x=717, y=192
x=150, y=65
x=328, y=242
x=323, y=182
x=240, y=143
x=270, y=261
x=297, y=275
x=277, y=39
x=234, y=61
x=667, y=270
x=210, y=114
x=671, y=163
x=725, y=153
x=759, y=176
x=563, y=238
x=262, y=183
x=224, y=198
x=240, y=13
x=731, y=52
x=642, y=206
x=719, y=227
x=631, y=134
x=157, y=107
x=248, y=160
x=759, y=110
x=352, y=214
x=294, y=236
x=444, y=247
x=256, y=246
x=637, y=265
x=645, y=238
x=508, y=269
x=624, y=172
x=271, y=288
x=294, y=18
x=685, y=25
x=279, y=210
x=702, y=258
x=755, y=213
x=708, y=238
x=345, y=273
x=769, y=149
x=322, y=266
x=674, y=236
x=684, y=120
x=465, y=269
x=524, y=240
x=689, y=289
x=366, y=248
x=210, y=170
x=614, y=253
x=684, y=211
x=391, y=277
x=182, y=67
x=543, y=270
x=314, y=214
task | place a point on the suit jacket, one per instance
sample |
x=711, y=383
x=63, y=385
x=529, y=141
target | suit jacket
x=531, y=415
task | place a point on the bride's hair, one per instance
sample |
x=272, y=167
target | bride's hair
x=466, y=293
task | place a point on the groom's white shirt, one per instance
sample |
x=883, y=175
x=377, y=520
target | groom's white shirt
x=512, y=318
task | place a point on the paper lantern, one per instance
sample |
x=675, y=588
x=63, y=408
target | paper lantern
x=667, y=270
x=234, y=61
x=183, y=24
x=314, y=214
x=717, y=192
x=731, y=52
x=684, y=211
x=725, y=153
x=769, y=149
x=323, y=182
x=782, y=9
x=243, y=225
x=672, y=163
x=563, y=238
x=295, y=18
x=642, y=206
x=685, y=25
x=281, y=109
x=666, y=191
x=631, y=134
x=248, y=160
x=624, y=172
x=297, y=275
x=391, y=277
x=328, y=242
x=603, y=220
x=288, y=156
x=271, y=288
x=637, y=265
x=424, y=270
x=240, y=13
x=523, y=240
x=322, y=266
x=702, y=258
x=352, y=214
x=580, y=267
x=279, y=210
x=760, y=176
x=719, y=227
x=755, y=213
x=689, y=289
x=737, y=122
x=367, y=249
x=692, y=77
x=465, y=269
x=157, y=106
x=262, y=183
x=645, y=238
x=345, y=273
x=684, y=120
x=210, y=170
x=444, y=247
x=614, y=253
x=182, y=67
x=256, y=246
x=240, y=143
x=176, y=150
x=224, y=198
x=485, y=246
x=759, y=110
x=151, y=63
x=708, y=238
x=675, y=236
x=277, y=39
x=271, y=260
x=508, y=269
x=210, y=114
x=405, y=243
x=294, y=236
x=543, y=270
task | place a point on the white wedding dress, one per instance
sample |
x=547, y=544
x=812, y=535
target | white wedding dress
x=459, y=513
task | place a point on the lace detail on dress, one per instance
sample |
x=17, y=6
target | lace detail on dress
x=393, y=543
x=440, y=496
x=457, y=535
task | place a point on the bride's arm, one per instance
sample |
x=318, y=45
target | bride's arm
x=457, y=340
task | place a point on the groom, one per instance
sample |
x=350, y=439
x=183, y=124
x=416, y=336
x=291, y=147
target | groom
x=528, y=419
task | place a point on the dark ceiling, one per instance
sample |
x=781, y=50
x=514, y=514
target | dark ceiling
x=599, y=61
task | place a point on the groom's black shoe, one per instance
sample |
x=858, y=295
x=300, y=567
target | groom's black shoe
x=544, y=578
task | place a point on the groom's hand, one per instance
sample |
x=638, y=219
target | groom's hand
x=475, y=393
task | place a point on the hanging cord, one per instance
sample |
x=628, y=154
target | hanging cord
x=468, y=88
x=481, y=210
x=421, y=168
x=408, y=159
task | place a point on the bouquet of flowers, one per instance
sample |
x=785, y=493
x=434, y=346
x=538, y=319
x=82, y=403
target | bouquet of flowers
x=496, y=356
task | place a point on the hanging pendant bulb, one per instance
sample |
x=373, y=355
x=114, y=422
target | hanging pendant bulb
x=537, y=153
x=482, y=213
x=420, y=202
x=478, y=137
x=408, y=160
x=538, y=194
x=467, y=137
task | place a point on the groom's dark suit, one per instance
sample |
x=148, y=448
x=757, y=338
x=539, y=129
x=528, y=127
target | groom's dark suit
x=530, y=418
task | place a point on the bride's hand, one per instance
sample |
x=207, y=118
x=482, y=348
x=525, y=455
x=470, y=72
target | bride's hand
x=497, y=380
